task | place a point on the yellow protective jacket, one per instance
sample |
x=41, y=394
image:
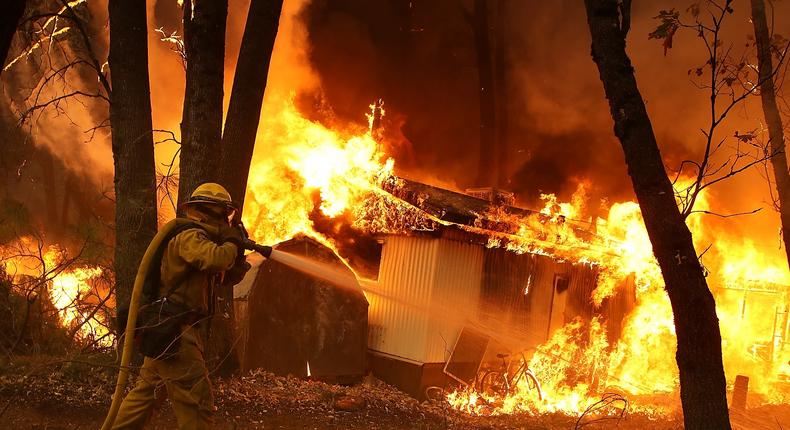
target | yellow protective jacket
x=193, y=260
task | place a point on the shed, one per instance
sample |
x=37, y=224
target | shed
x=293, y=320
x=432, y=285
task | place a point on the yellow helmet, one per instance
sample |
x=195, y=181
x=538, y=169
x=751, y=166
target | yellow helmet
x=211, y=193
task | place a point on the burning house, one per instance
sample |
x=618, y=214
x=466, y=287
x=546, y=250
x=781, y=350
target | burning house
x=443, y=297
x=447, y=300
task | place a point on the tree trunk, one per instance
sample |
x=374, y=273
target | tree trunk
x=201, y=144
x=500, y=69
x=485, y=73
x=132, y=140
x=9, y=19
x=702, y=381
x=772, y=118
x=246, y=97
x=201, y=123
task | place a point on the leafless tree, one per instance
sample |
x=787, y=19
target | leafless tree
x=201, y=124
x=246, y=97
x=132, y=141
x=63, y=54
x=29, y=269
x=239, y=135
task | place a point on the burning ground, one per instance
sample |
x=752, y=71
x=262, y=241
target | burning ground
x=262, y=400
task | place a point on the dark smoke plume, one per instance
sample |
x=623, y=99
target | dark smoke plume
x=419, y=57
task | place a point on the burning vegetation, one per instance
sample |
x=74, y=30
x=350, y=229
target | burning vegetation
x=553, y=298
x=56, y=289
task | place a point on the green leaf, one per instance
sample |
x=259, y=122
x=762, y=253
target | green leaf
x=670, y=22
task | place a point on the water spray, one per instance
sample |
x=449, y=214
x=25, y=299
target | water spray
x=315, y=269
x=319, y=270
x=489, y=324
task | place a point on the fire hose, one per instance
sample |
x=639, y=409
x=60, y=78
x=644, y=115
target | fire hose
x=134, y=304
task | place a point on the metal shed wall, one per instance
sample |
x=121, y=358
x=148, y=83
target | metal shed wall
x=541, y=299
x=431, y=287
x=428, y=286
x=396, y=324
x=516, y=294
x=456, y=296
x=519, y=295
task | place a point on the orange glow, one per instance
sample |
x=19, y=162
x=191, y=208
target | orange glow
x=751, y=293
x=342, y=168
x=74, y=291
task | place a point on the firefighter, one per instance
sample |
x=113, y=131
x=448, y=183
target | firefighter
x=192, y=264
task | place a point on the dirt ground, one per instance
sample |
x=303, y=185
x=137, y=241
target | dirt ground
x=76, y=396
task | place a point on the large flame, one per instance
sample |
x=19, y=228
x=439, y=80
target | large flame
x=751, y=298
x=339, y=173
x=77, y=292
x=310, y=167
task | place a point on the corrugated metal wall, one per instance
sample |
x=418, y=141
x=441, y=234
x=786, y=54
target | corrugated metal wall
x=427, y=286
x=399, y=326
x=430, y=288
x=518, y=294
x=455, y=297
x=583, y=281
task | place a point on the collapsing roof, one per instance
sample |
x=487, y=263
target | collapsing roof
x=409, y=207
x=448, y=268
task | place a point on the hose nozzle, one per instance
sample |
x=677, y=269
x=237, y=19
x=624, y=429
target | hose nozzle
x=264, y=250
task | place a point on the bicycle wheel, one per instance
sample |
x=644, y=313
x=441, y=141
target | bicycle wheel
x=434, y=393
x=493, y=383
x=532, y=382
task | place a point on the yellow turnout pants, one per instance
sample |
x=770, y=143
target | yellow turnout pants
x=186, y=379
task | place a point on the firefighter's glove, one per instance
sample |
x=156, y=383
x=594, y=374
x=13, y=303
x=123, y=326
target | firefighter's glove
x=235, y=274
x=264, y=250
x=232, y=234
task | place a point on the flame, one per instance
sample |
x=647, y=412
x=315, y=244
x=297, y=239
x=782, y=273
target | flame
x=75, y=292
x=304, y=169
x=751, y=293
x=309, y=158
x=340, y=172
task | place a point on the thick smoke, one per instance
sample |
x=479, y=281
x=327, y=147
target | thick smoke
x=419, y=57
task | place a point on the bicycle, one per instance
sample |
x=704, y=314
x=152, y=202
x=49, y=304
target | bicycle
x=504, y=383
